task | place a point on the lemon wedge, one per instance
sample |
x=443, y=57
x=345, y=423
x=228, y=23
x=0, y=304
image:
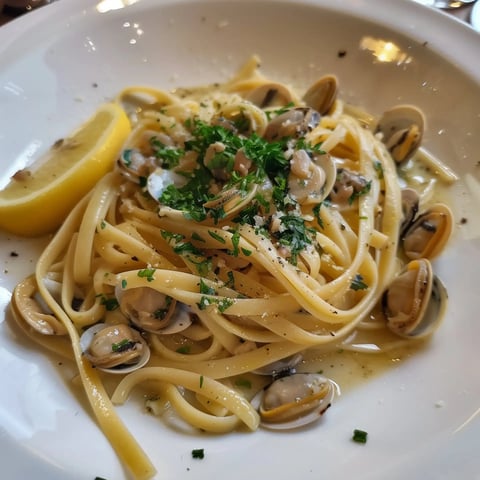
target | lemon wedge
x=38, y=198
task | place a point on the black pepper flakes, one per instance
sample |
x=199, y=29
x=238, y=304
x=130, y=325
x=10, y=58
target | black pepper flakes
x=341, y=53
x=13, y=254
x=463, y=221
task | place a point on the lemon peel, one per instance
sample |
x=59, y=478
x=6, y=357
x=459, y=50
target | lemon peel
x=38, y=198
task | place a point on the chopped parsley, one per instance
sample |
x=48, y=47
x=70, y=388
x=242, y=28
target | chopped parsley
x=363, y=191
x=123, y=346
x=147, y=273
x=243, y=382
x=316, y=213
x=216, y=236
x=183, y=248
x=359, y=436
x=169, y=156
x=205, y=289
x=358, y=283
x=198, y=453
x=161, y=313
x=197, y=237
x=295, y=235
x=379, y=169
x=185, y=349
x=109, y=303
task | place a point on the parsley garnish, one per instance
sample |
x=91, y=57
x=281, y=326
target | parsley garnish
x=198, y=453
x=359, y=436
x=161, y=313
x=358, y=283
x=216, y=236
x=196, y=236
x=363, y=191
x=109, y=303
x=147, y=273
x=295, y=235
x=379, y=169
x=243, y=382
x=316, y=213
x=123, y=346
x=185, y=349
x=205, y=289
x=183, y=248
x=168, y=155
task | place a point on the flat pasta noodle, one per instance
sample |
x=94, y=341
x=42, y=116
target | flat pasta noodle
x=209, y=240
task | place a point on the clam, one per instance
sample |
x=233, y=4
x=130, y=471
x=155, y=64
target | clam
x=294, y=123
x=153, y=311
x=133, y=164
x=311, y=178
x=160, y=179
x=295, y=400
x=231, y=200
x=270, y=95
x=322, y=94
x=114, y=348
x=414, y=302
x=402, y=130
x=32, y=308
x=348, y=185
x=427, y=235
x=410, y=204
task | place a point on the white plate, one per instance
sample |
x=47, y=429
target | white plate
x=417, y=414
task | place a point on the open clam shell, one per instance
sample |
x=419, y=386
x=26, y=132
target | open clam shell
x=428, y=234
x=402, y=129
x=153, y=311
x=322, y=94
x=115, y=349
x=415, y=301
x=294, y=401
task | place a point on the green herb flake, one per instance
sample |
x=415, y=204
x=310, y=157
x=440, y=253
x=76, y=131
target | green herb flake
x=379, y=169
x=169, y=156
x=198, y=453
x=316, y=213
x=359, y=436
x=147, y=273
x=246, y=252
x=363, y=191
x=124, y=283
x=358, y=283
x=110, y=304
x=243, y=383
x=205, y=288
x=123, y=346
x=235, y=242
x=295, y=235
x=204, y=303
x=224, y=304
x=103, y=224
x=216, y=236
x=201, y=381
x=185, y=349
x=197, y=237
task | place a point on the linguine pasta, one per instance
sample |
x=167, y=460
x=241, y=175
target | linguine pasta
x=226, y=249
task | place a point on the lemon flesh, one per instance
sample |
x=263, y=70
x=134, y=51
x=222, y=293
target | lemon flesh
x=38, y=198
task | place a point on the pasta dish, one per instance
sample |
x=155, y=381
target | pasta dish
x=245, y=225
